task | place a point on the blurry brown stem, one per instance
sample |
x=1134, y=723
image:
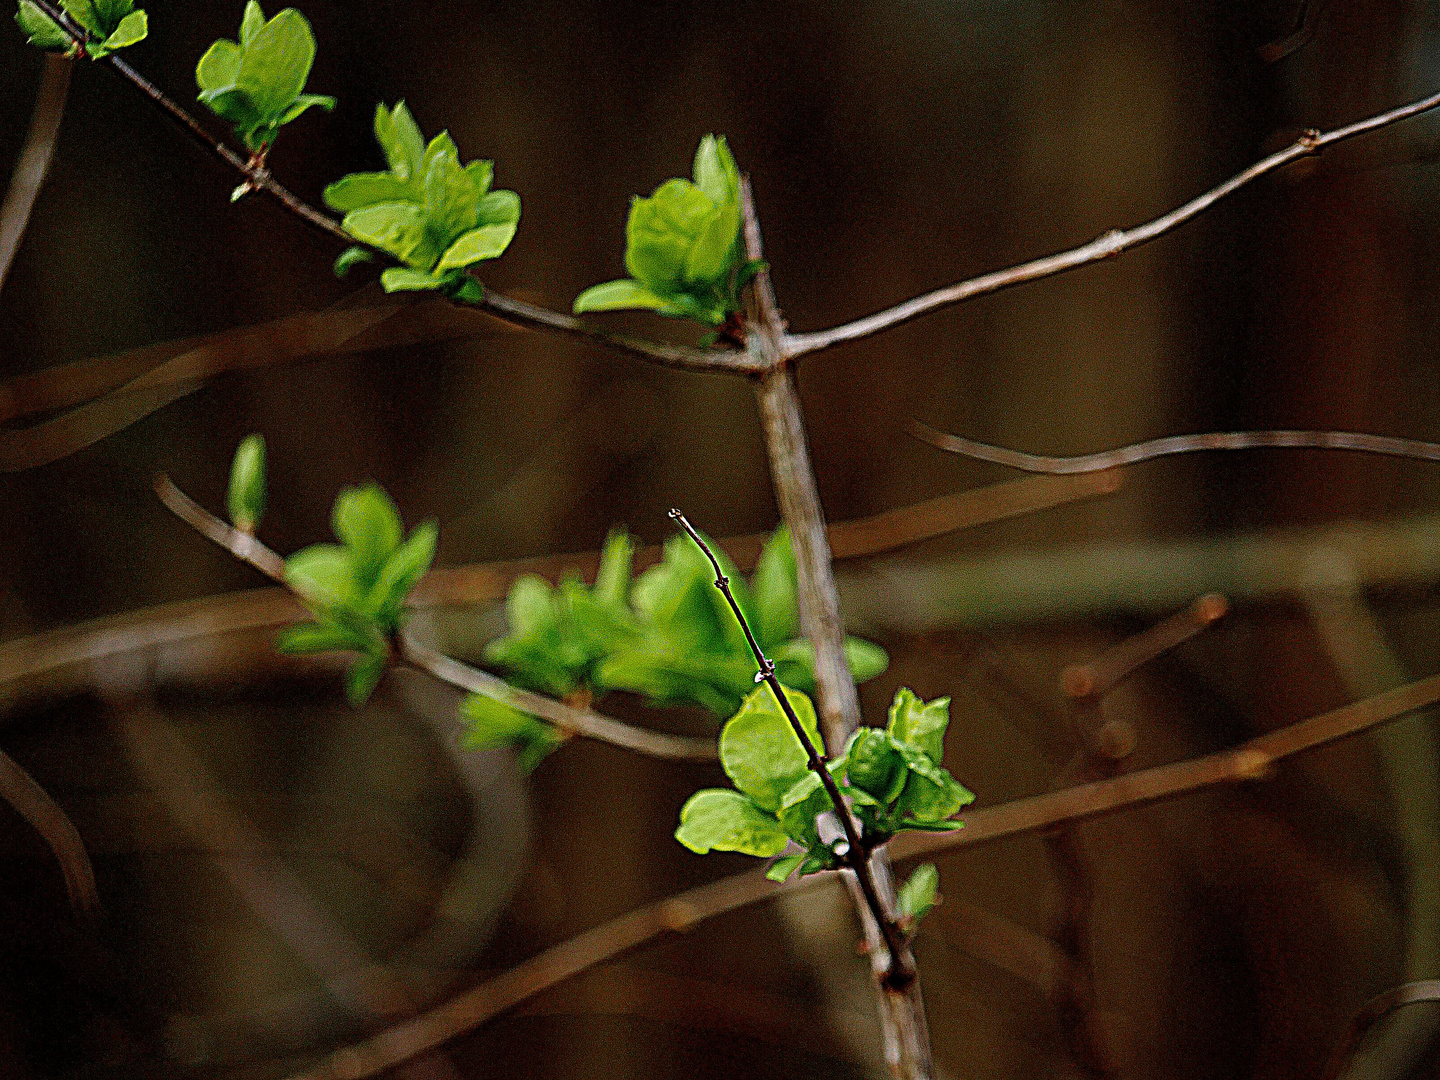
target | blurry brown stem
x=1099, y=676
x=32, y=803
x=34, y=160
x=1177, y=444
x=577, y=721
x=1374, y=1010
x=1107, y=246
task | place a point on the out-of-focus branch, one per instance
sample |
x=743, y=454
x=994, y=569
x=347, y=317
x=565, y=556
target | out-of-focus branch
x=1373, y=1011
x=592, y=725
x=34, y=160
x=32, y=803
x=1107, y=246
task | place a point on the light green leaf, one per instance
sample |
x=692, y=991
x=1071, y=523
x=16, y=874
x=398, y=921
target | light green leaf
x=132, y=28
x=320, y=637
x=713, y=252
x=612, y=580
x=322, y=575
x=530, y=608
x=39, y=30
x=399, y=136
x=720, y=820
x=403, y=571
x=450, y=198
x=233, y=104
x=781, y=869
x=715, y=171
x=873, y=766
x=397, y=227
x=865, y=659
x=494, y=724
x=760, y=751
x=351, y=257
x=773, y=591
x=482, y=175
x=219, y=66
x=368, y=524
x=660, y=231
x=920, y=893
x=403, y=279
x=83, y=12
x=618, y=295
x=305, y=101
x=920, y=724
x=246, y=496
x=926, y=801
x=498, y=208
x=251, y=22
x=276, y=62
x=486, y=242
x=363, y=676
x=365, y=189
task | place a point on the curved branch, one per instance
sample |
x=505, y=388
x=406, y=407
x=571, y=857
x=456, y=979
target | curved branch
x=258, y=178
x=34, y=804
x=34, y=160
x=592, y=725
x=1177, y=444
x=1374, y=1010
x=1110, y=244
x=1248, y=762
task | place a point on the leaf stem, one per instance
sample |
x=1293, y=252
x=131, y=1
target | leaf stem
x=901, y=972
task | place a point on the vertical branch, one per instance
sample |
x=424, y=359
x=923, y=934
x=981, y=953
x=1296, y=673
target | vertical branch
x=34, y=160
x=904, y=1030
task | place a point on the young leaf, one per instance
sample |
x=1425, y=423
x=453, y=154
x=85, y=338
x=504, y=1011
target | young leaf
x=612, y=580
x=619, y=295
x=486, y=242
x=403, y=571
x=920, y=724
x=40, y=30
x=246, y=497
x=774, y=591
x=367, y=523
x=873, y=766
x=320, y=637
x=403, y=279
x=760, y=751
x=717, y=819
x=781, y=869
x=363, y=676
x=494, y=724
x=351, y=257
x=322, y=574
x=919, y=894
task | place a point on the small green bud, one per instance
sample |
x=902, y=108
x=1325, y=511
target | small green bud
x=246, y=498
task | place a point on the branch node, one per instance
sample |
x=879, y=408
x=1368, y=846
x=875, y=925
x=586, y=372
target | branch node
x=1309, y=140
x=1252, y=764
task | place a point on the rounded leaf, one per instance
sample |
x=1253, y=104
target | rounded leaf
x=719, y=820
x=760, y=751
x=486, y=242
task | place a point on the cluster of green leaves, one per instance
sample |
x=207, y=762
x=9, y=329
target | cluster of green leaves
x=492, y=724
x=893, y=778
x=258, y=82
x=112, y=24
x=683, y=247
x=430, y=212
x=668, y=635
x=356, y=589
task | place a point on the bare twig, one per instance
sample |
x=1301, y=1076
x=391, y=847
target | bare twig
x=1110, y=244
x=1245, y=763
x=1097, y=677
x=901, y=972
x=1374, y=1010
x=34, y=160
x=260, y=179
x=32, y=803
x=1177, y=444
x=584, y=722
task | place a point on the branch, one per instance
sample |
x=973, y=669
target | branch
x=44, y=814
x=901, y=973
x=1110, y=244
x=1374, y=1010
x=34, y=160
x=681, y=913
x=259, y=178
x=1177, y=444
x=592, y=725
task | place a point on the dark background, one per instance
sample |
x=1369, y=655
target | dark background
x=893, y=147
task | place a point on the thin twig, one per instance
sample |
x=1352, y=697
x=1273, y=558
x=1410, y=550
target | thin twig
x=901, y=972
x=1097, y=677
x=31, y=802
x=1177, y=444
x=592, y=725
x=34, y=160
x=1110, y=244
x=259, y=178
x=1374, y=1010
x=1245, y=763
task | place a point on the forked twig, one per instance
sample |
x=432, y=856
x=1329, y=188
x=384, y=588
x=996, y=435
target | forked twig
x=1245, y=763
x=1177, y=444
x=577, y=721
x=1107, y=246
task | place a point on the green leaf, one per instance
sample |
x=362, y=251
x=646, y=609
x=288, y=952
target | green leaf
x=320, y=637
x=773, y=591
x=276, y=62
x=618, y=295
x=251, y=21
x=781, y=869
x=367, y=523
x=494, y=724
x=926, y=801
x=351, y=257
x=498, y=207
x=322, y=574
x=451, y=200
x=715, y=171
x=132, y=28
x=403, y=279
x=482, y=175
x=305, y=101
x=530, y=608
x=39, y=29
x=919, y=893
x=721, y=820
x=612, y=580
x=713, y=249
x=660, y=232
x=85, y=13
x=365, y=189
x=246, y=496
x=873, y=766
x=399, y=136
x=920, y=724
x=760, y=751
x=865, y=659
x=486, y=242
x=363, y=676
x=403, y=571
x=397, y=227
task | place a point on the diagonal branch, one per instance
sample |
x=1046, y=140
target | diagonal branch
x=258, y=178
x=32, y=803
x=574, y=720
x=1110, y=244
x=1385, y=445
x=34, y=160
x=1248, y=762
